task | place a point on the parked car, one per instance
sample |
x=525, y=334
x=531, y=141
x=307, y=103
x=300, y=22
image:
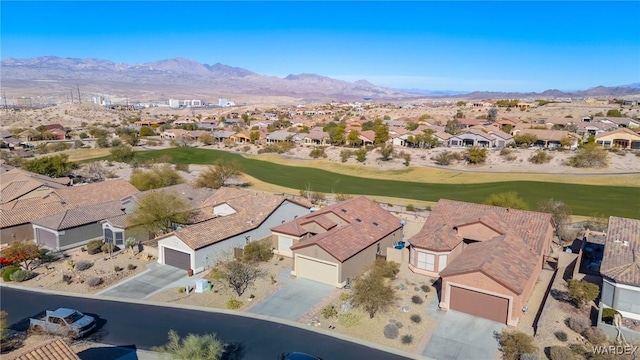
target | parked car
x=64, y=322
x=298, y=356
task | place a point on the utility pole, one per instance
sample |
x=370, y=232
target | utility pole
x=79, y=99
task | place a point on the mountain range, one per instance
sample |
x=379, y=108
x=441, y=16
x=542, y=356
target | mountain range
x=184, y=78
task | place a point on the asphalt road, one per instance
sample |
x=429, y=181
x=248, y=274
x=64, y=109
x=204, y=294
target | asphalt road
x=145, y=326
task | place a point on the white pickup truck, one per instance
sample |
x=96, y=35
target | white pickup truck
x=64, y=322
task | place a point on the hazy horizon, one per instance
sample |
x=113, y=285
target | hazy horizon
x=455, y=46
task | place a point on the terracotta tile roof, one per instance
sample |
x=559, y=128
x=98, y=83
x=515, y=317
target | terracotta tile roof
x=618, y=131
x=549, y=135
x=55, y=349
x=365, y=223
x=119, y=221
x=82, y=215
x=368, y=135
x=252, y=208
x=17, y=182
x=621, y=259
x=26, y=214
x=506, y=259
x=96, y=193
x=531, y=226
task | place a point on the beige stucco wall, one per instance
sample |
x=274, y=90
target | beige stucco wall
x=314, y=228
x=316, y=252
x=477, y=231
x=16, y=233
x=359, y=263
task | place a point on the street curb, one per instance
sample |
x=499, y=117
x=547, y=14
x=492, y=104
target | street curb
x=228, y=312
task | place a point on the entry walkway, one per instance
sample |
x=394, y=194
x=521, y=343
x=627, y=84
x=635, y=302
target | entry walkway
x=293, y=299
x=154, y=279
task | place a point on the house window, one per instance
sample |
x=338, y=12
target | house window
x=607, y=144
x=378, y=248
x=119, y=237
x=108, y=235
x=442, y=262
x=426, y=261
x=412, y=255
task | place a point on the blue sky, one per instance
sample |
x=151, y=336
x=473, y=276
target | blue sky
x=466, y=46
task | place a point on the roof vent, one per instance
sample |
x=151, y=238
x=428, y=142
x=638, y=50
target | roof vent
x=375, y=223
x=358, y=220
x=625, y=243
x=616, y=240
x=343, y=210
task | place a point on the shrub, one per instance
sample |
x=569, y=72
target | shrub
x=67, y=278
x=475, y=155
x=578, y=323
x=7, y=271
x=344, y=296
x=361, y=154
x=410, y=207
x=515, y=343
x=579, y=349
x=445, y=158
x=329, y=311
x=182, y=167
x=505, y=151
x=595, y=335
x=540, y=157
x=257, y=251
x=317, y=153
x=384, y=268
x=94, y=246
x=417, y=299
x=399, y=324
x=182, y=290
x=407, y=339
x=21, y=275
x=582, y=292
x=234, y=304
x=589, y=156
x=608, y=314
x=131, y=267
x=346, y=154
x=561, y=335
x=391, y=331
x=117, y=268
x=561, y=353
x=83, y=265
x=107, y=248
x=425, y=288
x=349, y=319
x=94, y=281
x=416, y=318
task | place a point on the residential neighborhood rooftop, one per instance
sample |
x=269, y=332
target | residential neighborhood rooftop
x=621, y=259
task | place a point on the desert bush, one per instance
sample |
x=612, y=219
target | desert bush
x=245, y=148
x=67, y=279
x=7, y=271
x=94, y=246
x=407, y=339
x=540, y=157
x=234, y=304
x=391, y=331
x=257, y=251
x=21, y=275
x=83, y=265
x=561, y=353
x=561, y=335
x=329, y=311
x=410, y=207
x=582, y=292
x=117, y=268
x=349, y=319
x=579, y=349
x=476, y=155
x=595, y=335
x=345, y=155
x=107, y=248
x=344, y=297
x=317, y=153
x=425, y=288
x=578, y=323
x=94, y=281
x=505, y=151
x=399, y=324
x=279, y=148
x=182, y=167
x=384, y=268
x=608, y=314
x=515, y=343
x=417, y=299
x=589, y=156
x=445, y=158
x=361, y=154
x=131, y=267
x=416, y=318
x=182, y=290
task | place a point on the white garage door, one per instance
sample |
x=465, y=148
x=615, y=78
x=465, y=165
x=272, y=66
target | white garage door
x=46, y=238
x=313, y=269
x=284, y=244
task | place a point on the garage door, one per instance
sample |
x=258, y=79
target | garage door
x=177, y=258
x=284, y=245
x=312, y=269
x=479, y=304
x=46, y=238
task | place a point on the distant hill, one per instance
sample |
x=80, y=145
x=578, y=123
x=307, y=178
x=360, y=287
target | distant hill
x=184, y=78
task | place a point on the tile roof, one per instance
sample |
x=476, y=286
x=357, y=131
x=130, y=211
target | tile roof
x=549, y=135
x=621, y=258
x=363, y=224
x=617, y=131
x=25, y=214
x=55, y=349
x=17, y=182
x=82, y=215
x=531, y=226
x=506, y=259
x=252, y=208
x=95, y=193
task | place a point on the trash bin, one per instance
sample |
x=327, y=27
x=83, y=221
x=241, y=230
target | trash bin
x=201, y=285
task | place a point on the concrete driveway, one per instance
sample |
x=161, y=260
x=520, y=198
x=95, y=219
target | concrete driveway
x=462, y=336
x=155, y=278
x=293, y=299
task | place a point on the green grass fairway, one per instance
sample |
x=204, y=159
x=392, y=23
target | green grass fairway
x=583, y=199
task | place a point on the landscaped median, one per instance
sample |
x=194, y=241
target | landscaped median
x=584, y=200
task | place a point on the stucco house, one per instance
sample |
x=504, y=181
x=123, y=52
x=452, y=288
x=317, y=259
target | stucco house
x=283, y=136
x=480, y=137
x=337, y=242
x=317, y=136
x=550, y=139
x=487, y=257
x=19, y=184
x=621, y=138
x=620, y=268
x=238, y=217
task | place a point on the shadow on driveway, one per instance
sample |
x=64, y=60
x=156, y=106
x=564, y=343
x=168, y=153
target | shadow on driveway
x=155, y=278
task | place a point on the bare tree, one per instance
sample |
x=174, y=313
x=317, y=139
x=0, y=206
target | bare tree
x=239, y=275
x=219, y=174
x=492, y=114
